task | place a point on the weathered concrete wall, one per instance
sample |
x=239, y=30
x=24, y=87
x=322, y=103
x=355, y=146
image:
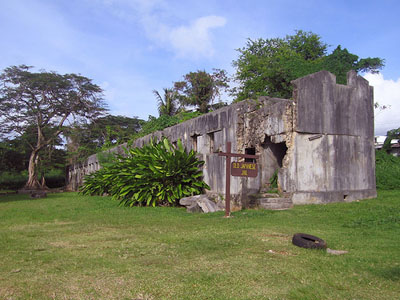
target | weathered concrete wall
x=321, y=142
x=332, y=156
x=76, y=172
x=245, y=124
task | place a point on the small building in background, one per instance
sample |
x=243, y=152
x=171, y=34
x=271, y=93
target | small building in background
x=394, y=145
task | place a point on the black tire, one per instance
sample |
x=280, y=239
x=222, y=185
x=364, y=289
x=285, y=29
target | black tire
x=308, y=241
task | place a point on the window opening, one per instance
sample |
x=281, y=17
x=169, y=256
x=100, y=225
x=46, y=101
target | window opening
x=211, y=142
x=194, y=142
x=251, y=151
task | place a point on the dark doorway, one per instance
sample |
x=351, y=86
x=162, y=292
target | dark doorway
x=278, y=149
x=251, y=151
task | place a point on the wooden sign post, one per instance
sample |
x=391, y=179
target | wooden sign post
x=241, y=169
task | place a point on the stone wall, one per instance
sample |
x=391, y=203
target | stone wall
x=321, y=142
x=332, y=156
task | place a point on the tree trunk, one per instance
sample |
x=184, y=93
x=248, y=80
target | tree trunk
x=203, y=107
x=33, y=182
x=43, y=184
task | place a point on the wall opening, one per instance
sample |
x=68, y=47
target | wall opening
x=251, y=151
x=278, y=149
x=211, y=140
x=194, y=142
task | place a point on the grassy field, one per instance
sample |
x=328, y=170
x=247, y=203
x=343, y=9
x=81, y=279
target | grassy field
x=73, y=247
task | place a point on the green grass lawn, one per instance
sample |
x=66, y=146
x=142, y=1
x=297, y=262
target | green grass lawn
x=68, y=246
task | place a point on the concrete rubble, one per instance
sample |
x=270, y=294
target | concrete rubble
x=200, y=203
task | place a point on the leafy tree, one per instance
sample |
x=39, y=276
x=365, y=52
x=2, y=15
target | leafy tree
x=167, y=104
x=340, y=61
x=266, y=67
x=44, y=100
x=103, y=132
x=15, y=153
x=200, y=88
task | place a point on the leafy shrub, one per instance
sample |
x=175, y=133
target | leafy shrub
x=156, y=174
x=98, y=183
x=16, y=180
x=55, y=181
x=273, y=181
x=387, y=171
x=106, y=158
x=12, y=180
x=156, y=124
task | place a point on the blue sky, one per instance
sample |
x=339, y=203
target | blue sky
x=130, y=47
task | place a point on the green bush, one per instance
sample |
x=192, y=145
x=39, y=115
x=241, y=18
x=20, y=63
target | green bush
x=16, y=180
x=12, y=180
x=55, y=181
x=99, y=182
x=156, y=174
x=387, y=171
x=157, y=124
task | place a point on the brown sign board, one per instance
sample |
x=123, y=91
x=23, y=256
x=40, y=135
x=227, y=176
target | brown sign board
x=228, y=154
x=244, y=169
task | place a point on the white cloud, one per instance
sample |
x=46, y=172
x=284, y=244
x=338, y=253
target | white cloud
x=387, y=93
x=189, y=40
x=196, y=38
x=129, y=95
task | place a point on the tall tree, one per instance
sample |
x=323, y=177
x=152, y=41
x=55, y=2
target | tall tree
x=200, y=88
x=167, y=104
x=45, y=100
x=340, y=61
x=15, y=153
x=266, y=67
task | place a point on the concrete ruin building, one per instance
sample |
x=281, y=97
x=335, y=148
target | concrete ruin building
x=321, y=143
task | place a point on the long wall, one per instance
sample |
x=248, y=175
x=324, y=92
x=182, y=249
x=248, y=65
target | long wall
x=245, y=125
x=321, y=142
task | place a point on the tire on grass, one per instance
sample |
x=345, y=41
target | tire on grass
x=308, y=241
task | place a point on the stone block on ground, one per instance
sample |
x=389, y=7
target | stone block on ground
x=275, y=203
x=187, y=201
x=194, y=208
x=199, y=203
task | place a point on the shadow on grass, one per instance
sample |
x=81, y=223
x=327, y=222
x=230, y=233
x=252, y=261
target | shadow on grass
x=392, y=273
x=16, y=197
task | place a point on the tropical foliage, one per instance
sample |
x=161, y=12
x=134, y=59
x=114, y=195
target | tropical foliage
x=168, y=103
x=14, y=161
x=99, y=134
x=387, y=171
x=200, y=88
x=156, y=174
x=154, y=124
x=266, y=67
x=44, y=101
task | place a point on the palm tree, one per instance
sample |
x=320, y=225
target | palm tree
x=167, y=105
